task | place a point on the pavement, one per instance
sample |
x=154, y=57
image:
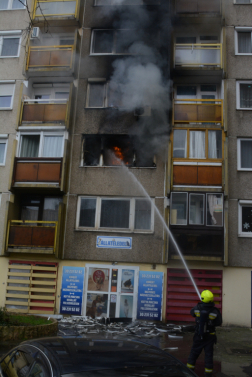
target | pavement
x=232, y=353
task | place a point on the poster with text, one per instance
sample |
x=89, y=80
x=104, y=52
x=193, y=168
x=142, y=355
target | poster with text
x=98, y=279
x=72, y=290
x=150, y=294
x=127, y=283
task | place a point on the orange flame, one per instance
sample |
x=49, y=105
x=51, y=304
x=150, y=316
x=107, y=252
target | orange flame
x=119, y=155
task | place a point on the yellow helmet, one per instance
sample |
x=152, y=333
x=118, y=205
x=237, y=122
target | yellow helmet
x=206, y=296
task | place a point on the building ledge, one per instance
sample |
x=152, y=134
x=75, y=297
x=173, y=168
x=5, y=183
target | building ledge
x=30, y=250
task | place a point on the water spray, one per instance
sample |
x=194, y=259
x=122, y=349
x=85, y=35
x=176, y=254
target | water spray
x=163, y=222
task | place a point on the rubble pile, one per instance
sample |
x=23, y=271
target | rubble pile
x=86, y=325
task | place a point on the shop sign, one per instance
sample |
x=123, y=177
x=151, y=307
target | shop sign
x=107, y=242
x=72, y=290
x=150, y=294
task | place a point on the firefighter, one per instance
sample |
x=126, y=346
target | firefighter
x=207, y=317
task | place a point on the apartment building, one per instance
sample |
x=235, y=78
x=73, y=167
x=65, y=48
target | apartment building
x=104, y=101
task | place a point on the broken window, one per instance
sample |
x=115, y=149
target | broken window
x=113, y=150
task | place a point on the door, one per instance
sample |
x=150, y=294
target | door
x=111, y=291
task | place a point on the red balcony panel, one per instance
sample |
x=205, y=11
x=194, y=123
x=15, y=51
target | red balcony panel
x=49, y=172
x=20, y=235
x=43, y=236
x=31, y=236
x=210, y=175
x=40, y=112
x=197, y=175
x=26, y=172
x=185, y=175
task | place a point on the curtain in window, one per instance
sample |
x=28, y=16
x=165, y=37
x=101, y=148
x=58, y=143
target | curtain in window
x=30, y=146
x=115, y=214
x=246, y=154
x=10, y=46
x=142, y=214
x=52, y=146
x=245, y=95
x=180, y=143
x=2, y=152
x=197, y=144
x=212, y=144
x=30, y=213
x=211, y=205
x=51, y=209
x=244, y=43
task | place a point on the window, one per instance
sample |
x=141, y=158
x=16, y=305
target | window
x=243, y=1
x=6, y=95
x=244, y=154
x=41, y=145
x=243, y=41
x=11, y=4
x=244, y=95
x=108, y=41
x=128, y=214
x=115, y=150
x=9, y=44
x=196, y=209
x=3, y=149
x=202, y=144
x=40, y=208
x=245, y=218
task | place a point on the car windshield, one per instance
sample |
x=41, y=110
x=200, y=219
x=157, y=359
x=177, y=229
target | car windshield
x=169, y=370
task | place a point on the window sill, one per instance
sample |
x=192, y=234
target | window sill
x=2, y=10
x=114, y=231
x=244, y=109
x=245, y=235
x=9, y=57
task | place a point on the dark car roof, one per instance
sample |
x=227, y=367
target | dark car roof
x=85, y=354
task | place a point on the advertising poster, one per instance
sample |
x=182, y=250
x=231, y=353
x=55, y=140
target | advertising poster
x=97, y=305
x=126, y=306
x=72, y=290
x=150, y=293
x=98, y=279
x=127, y=283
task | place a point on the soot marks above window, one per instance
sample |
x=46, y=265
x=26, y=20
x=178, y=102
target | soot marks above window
x=113, y=150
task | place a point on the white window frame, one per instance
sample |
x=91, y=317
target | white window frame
x=97, y=227
x=8, y=82
x=243, y=203
x=242, y=3
x=10, y=34
x=10, y=2
x=239, y=167
x=199, y=93
x=4, y=140
x=241, y=29
x=238, y=101
x=42, y=134
x=113, y=46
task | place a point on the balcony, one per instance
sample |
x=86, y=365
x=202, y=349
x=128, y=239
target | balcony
x=44, y=111
x=43, y=171
x=49, y=58
x=32, y=237
x=197, y=174
x=198, y=6
x=198, y=55
x=198, y=111
x=57, y=12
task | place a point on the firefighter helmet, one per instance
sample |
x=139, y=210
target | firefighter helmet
x=207, y=296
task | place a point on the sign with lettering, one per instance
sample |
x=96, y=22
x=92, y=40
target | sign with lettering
x=72, y=290
x=150, y=294
x=107, y=242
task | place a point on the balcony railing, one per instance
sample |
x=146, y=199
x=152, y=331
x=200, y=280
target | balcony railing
x=198, y=6
x=46, y=111
x=32, y=234
x=198, y=55
x=198, y=111
x=45, y=57
x=56, y=9
x=37, y=170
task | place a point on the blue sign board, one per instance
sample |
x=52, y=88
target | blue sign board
x=107, y=242
x=72, y=290
x=150, y=294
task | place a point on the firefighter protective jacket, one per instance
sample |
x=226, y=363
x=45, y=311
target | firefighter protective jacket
x=213, y=319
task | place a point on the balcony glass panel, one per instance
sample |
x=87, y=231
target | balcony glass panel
x=55, y=8
x=187, y=54
x=198, y=6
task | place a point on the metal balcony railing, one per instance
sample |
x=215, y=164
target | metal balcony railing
x=56, y=9
x=198, y=55
x=46, y=111
x=50, y=57
x=32, y=234
x=198, y=6
x=198, y=111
